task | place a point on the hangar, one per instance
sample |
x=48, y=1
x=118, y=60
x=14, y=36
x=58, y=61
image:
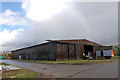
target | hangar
x=55, y=50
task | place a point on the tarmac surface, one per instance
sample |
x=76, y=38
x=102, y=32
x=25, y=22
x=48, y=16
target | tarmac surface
x=101, y=70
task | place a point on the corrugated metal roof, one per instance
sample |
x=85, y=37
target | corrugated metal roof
x=71, y=41
x=77, y=41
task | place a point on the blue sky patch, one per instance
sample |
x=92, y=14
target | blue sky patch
x=11, y=28
x=13, y=6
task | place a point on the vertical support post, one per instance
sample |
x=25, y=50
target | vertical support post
x=75, y=52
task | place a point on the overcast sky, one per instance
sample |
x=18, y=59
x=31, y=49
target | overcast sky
x=34, y=21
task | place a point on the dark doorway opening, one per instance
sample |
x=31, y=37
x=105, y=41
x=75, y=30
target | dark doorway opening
x=88, y=48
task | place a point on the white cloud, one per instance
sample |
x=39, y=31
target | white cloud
x=40, y=10
x=11, y=18
x=81, y=20
x=7, y=35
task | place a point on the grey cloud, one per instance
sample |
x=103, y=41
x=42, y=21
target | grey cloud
x=93, y=21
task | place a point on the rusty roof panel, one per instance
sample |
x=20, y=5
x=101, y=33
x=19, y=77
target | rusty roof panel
x=77, y=41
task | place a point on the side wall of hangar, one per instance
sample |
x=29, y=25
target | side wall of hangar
x=58, y=50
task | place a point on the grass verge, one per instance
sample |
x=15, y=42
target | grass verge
x=117, y=56
x=22, y=73
x=3, y=63
x=70, y=61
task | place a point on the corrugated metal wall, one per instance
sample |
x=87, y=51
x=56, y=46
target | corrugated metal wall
x=65, y=51
x=40, y=52
x=53, y=51
x=79, y=51
x=46, y=51
x=72, y=52
x=61, y=51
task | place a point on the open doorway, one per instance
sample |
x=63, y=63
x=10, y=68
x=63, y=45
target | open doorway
x=88, y=48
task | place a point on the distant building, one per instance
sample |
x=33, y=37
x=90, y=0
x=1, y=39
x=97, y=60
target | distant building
x=58, y=50
x=116, y=48
x=5, y=55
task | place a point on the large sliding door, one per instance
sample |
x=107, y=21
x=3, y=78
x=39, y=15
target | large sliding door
x=71, y=52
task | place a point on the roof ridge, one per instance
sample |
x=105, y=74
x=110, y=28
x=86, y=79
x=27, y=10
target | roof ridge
x=67, y=40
